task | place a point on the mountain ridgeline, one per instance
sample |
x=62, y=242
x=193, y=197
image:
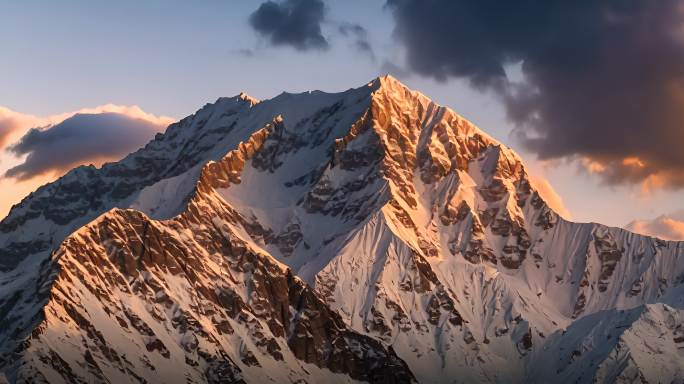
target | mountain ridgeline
x=363, y=236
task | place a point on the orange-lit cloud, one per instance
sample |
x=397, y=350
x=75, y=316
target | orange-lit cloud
x=633, y=161
x=132, y=111
x=80, y=139
x=14, y=124
x=635, y=170
x=550, y=196
x=666, y=227
x=593, y=166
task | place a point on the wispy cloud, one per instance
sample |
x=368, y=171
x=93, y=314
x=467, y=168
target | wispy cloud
x=53, y=144
x=295, y=23
x=359, y=36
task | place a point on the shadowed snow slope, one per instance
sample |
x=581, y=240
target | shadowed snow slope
x=369, y=235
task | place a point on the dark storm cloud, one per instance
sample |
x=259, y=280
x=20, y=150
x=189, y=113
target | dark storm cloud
x=359, y=36
x=80, y=139
x=296, y=23
x=604, y=80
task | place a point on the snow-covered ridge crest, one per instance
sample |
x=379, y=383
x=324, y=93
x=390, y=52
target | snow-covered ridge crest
x=413, y=229
x=252, y=100
x=192, y=287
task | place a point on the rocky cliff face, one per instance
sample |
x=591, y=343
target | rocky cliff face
x=189, y=300
x=369, y=235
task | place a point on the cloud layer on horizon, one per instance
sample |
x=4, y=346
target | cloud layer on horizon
x=603, y=80
x=80, y=139
x=26, y=138
x=15, y=124
x=666, y=227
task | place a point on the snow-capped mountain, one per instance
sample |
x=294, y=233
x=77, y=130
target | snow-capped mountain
x=369, y=235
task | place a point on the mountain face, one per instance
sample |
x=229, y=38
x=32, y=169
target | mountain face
x=363, y=236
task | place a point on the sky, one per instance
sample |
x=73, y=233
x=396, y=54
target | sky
x=590, y=94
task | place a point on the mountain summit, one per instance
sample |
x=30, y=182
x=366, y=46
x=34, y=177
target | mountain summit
x=370, y=235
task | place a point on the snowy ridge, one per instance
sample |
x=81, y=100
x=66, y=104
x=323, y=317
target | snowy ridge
x=421, y=249
x=187, y=300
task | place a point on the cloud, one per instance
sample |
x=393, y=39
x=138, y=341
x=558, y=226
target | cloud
x=550, y=196
x=295, y=23
x=132, y=111
x=245, y=52
x=360, y=36
x=666, y=227
x=603, y=81
x=11, y=123
x=81, y=139
x=14, y=124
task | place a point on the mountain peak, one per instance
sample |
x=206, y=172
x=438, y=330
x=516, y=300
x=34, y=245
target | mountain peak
x=387, y=78
x=352, y=236
x=390, y=83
